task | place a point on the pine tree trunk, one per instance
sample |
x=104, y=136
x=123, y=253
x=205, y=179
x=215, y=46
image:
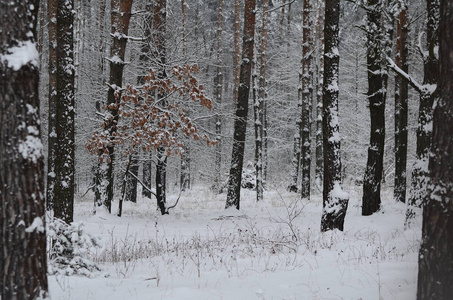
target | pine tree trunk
x=424, y=130
x=320, y=74
x=401, y=109
x=131, y=188
x=259, y=104
x=218, y=88
x=377, y=85
x=161, y=180
x=240, y=121
x=52, y=130
x=306, y=94
x=237, y=48
x=144, y=58
x=435, y=276
x=23, y=264
x=158, y=28
x=120, y=17
x=335, y=200
x=64, y=155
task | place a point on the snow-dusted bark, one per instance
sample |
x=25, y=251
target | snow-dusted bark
x=64, y=156
x=52, y=102
x=240, y=120
x=23, y=264
x=320, y=75
x=401, y=98
x=335, y=200
x=236, y=47
x=306, y=93
x=218, y=88
x=120, y=17
x=259, y=103
x=377, y=91
x=435, y=275
x=424, y=129
x=159, y=24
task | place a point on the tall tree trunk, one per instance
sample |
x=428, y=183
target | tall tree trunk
x=435, y=276
x=307, y=98
x=185, y=155
x=144, y=58
x=259, y=104
x=377, y=85
x=240, y=121
x=159, y=53
x=237, y=48
x=424, y=130
x=335, y=200
x=218, y=88
x=64, y=155
x=401, y=109
x=120, y=17
x=320, y=75
x=22, y=214
x=52, y=130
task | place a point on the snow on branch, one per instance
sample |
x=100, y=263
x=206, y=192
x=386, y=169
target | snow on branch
x=417, y=86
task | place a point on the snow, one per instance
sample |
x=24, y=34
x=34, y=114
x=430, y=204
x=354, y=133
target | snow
x=21, y=55
x=31, y=148
x=37, y=225
x=268, y=250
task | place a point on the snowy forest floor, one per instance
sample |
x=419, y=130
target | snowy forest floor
x=268, y=250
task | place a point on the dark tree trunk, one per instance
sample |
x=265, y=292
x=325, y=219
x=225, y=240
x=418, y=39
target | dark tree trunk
x=120, y=17
x=240, y=121
x=401, y=109
x=377, y=85
x=307, y=98
x=237, y=48
x=161, y=180
x=23, y=264
x=335, y=201
x=320, y=74
x=147, y=175
x=424, y=130
x=144, y=58
x=218, y=88
x=51, y=123
x=131, y=189
x=64, y=155
x=158, y=28
x=435, y=276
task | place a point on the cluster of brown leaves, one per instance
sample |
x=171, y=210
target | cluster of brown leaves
x=147, y=118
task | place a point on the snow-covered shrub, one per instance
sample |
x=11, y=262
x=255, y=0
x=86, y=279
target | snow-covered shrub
x=69, y=248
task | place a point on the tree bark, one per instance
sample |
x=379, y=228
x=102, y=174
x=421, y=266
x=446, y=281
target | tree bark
x=377, y=85
x=51, y=123
x=240, y=121
x=401, y=109
x=65, y=151
x=22, y=214
x=120, y=17
x=237, y=48
x=307, y=98
x=259, y=104
x=335, y=200
x=424, y=130
x=435, y=276
x=320, y=74
x=218, y=88
x=159, y=53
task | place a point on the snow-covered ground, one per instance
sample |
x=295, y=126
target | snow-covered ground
x=268, y=250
